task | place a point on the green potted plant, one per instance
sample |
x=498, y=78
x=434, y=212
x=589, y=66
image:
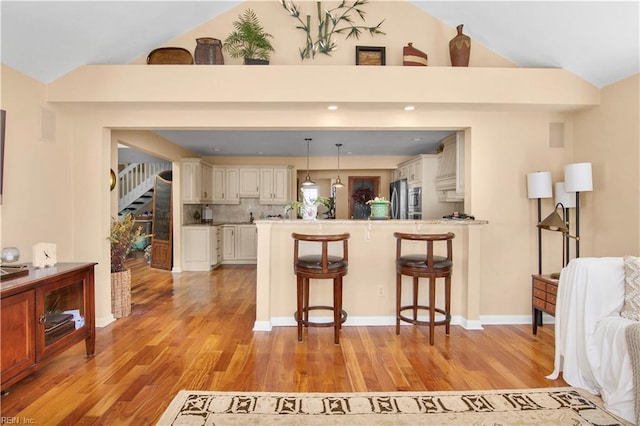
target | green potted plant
x=122, y=237
x=249, y=40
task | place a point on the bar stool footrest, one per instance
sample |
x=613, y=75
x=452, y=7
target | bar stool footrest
x=343, y=317
x=445, y=321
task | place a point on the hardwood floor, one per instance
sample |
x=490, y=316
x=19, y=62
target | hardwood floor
x=194, y=331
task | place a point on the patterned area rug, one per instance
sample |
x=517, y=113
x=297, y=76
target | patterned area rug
x=548, y=406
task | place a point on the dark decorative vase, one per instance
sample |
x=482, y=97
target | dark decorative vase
x=252, y=61
x=459, y=49
x=209, y=51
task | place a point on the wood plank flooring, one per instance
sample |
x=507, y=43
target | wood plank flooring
x=194, y=331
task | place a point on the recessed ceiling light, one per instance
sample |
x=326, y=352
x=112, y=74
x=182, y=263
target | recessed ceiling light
x=409, y=108
x=332, y=107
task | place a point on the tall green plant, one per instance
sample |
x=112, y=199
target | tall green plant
x=249, y=40
x=330, y=21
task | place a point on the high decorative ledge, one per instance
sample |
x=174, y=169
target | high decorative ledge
x=446, y=87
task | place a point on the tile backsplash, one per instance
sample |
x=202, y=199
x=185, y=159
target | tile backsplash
x=233, y=212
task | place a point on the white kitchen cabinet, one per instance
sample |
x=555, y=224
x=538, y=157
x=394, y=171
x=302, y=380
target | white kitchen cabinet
x=240, y=244
x=197, y=181
x=411, y=171
x=199, y=247
x=450, y=178
x=229, y=242
x=247, y=242
x=274, y=185
x=249, y=182
x=226, y=185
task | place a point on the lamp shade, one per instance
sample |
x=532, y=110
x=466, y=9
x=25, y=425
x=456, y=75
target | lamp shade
x=577, y=177
x=539, y=185
x=554, y=222
x=567, y=199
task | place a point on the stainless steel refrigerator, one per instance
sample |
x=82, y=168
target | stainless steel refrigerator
x=399, y=199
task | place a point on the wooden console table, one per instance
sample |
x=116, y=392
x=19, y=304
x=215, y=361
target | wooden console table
x=544, y=293
x=42, y=314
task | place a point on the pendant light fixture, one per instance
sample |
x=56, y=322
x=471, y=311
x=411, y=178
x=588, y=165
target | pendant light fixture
x=338, y=183
x=307, y=178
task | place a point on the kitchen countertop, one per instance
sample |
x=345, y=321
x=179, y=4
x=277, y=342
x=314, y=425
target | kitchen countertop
x=381, y=222
x=219, y=223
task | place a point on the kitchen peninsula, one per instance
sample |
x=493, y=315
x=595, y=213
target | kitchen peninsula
x=369, y=287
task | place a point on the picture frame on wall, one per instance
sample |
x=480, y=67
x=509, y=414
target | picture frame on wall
x=3, y=120
x=371, y=55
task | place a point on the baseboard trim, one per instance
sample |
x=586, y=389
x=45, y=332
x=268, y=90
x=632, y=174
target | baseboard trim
x=288, y=321
x=105, y=321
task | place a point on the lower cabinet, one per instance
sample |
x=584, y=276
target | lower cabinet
x=200, y=247
x=240, y=244
x=44, y=313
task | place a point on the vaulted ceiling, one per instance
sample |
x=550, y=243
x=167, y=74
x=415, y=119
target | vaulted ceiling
x=596, y=40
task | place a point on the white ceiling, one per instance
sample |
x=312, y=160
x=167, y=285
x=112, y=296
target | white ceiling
x=596, y=40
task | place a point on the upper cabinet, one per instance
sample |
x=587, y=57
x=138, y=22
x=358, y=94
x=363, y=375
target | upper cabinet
x=249, y=185
x=411, y=171
x=196, y=181
x=226, y=181
x=271, y=184
x=450, y=177
x=274, y=185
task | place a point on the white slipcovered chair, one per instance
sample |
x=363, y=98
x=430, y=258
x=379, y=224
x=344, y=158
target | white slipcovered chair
x=591, y=349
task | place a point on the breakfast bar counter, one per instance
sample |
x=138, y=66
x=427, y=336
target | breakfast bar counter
x=369, y=286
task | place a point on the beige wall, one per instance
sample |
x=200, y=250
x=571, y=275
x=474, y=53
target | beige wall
x=609, y=137
x=403, y=23
x=59, y=192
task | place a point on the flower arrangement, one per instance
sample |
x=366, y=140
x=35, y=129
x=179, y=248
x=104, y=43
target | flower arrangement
x=296, y=206
x=122, y=237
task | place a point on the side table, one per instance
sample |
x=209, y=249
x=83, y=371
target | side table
x=544, y=293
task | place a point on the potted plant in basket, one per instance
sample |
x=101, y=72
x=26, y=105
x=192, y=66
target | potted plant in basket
x=123, y=235
x=249, y=40
x=379, y=208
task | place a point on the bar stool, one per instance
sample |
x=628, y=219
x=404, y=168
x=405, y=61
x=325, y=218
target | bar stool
x=320, y=266
x=425, y=265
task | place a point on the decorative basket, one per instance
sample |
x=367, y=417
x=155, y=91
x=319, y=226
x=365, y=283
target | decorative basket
x=413, y=57
x=380, y=210
x=121, y=294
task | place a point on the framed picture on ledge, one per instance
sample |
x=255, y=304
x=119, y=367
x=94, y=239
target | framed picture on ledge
x=370, y=55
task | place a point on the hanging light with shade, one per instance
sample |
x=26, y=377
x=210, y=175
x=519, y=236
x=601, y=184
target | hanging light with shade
x=307, y=178
x=338, y=183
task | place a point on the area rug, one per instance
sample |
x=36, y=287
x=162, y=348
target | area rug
x=545, y=406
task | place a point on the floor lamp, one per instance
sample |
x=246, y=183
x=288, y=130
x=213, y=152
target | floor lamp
x=567, y=200
x=577, y=178
x=554, y=222
x=539, y=186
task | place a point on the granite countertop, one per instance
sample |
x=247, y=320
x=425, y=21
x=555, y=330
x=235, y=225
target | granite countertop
x=219, y=223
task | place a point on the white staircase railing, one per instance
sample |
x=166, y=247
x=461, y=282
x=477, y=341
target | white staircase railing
x=137, y=179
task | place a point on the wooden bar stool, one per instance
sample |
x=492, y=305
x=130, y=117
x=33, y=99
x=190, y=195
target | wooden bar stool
x=320, y=266
x=429, y=266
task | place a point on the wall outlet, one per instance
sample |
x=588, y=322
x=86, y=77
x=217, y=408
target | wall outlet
x=380, y=291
